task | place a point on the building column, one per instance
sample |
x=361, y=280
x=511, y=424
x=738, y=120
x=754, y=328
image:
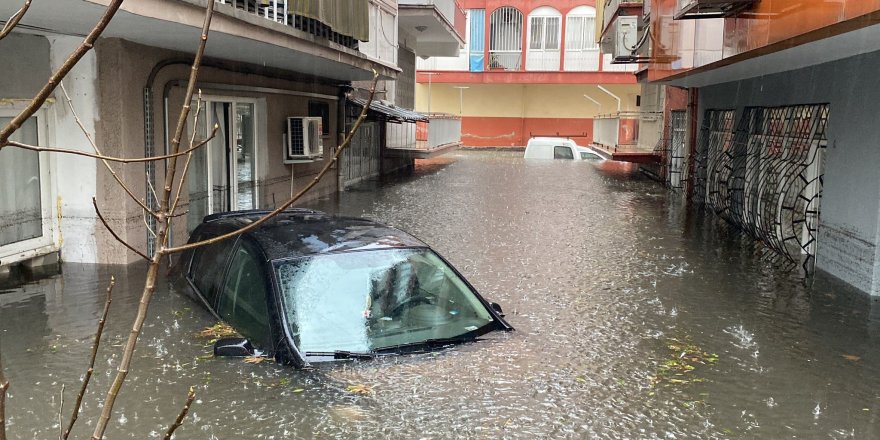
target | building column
x=75, y=176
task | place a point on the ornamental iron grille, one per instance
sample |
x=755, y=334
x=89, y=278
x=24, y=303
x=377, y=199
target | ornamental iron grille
x=765, y=177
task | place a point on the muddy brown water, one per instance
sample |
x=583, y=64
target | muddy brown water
x=599, y=270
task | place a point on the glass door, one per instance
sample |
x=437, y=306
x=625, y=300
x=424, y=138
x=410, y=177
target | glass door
x=223, y=174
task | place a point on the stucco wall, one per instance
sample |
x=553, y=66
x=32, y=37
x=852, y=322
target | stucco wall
x=849, y=231
x=25, y=65
x=123, y=68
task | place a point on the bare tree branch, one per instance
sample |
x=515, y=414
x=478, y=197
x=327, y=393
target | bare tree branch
x=101, y=156
x=297, y=196
x=113, y=233
x=60, y=414
x=161, y=238
x=13, y=21
x=98, y=151
x=179, y=421
x=4, y=385
x=95, y=345
x=87, y=45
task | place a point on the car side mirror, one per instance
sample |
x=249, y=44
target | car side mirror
x=497, y=308
x=233, y=347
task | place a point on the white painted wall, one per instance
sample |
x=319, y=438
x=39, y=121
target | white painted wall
x=75, y=177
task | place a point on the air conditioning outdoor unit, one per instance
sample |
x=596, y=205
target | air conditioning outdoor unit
x=621, y=40
x=303, y=140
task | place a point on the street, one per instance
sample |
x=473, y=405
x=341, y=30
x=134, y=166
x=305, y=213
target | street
x=635, y=318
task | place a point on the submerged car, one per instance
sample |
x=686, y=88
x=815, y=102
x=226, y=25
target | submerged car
x=559, y=148
x=308, y=287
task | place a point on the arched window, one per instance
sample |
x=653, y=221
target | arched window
x=545, y=30
x=505, y=38
x=581, y=48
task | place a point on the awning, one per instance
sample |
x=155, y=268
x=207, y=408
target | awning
x=391, y=112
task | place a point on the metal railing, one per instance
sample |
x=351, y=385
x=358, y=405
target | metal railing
x=441, y=130
x=505, y=39
x=280, y=11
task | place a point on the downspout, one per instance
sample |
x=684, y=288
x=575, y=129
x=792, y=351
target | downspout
x=612, y=95
x=342, y=129
x=149, y=147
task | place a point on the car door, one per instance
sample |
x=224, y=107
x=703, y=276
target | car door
x=244, y=294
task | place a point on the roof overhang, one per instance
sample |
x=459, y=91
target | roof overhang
x=844, y=40
x=235, y=35
x=427, y=32
x=391, y=112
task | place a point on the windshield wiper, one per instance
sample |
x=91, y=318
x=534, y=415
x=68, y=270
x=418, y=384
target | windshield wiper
x=427, y=344
x=342, y=354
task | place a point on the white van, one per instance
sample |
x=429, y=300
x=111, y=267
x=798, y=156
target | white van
x=559, y=148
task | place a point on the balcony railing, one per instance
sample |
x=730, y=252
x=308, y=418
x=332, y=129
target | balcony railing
x=617, y=131
x=345, y=23
x=443, y=130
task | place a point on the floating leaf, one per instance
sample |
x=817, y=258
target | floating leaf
x=255, y=359
x=360, y=389
x=299, y=390
x=217, y=331
x=851, y=357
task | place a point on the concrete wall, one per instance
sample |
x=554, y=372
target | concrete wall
x=507, y=114
x=123, y=68
x=849, y=230
x=25, y=66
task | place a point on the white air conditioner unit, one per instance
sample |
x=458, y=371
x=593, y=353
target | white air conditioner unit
x=626, y=36
x=303, y=142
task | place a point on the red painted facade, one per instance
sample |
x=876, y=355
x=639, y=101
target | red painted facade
x=515, y=132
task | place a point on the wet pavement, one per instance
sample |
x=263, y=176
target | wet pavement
x=635, y=319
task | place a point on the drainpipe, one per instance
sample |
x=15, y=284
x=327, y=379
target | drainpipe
x=341, y=129
x=612, y=95
x=594, y=101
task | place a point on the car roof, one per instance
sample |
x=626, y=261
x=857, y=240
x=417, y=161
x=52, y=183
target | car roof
x=551, y=140
x=298, y=233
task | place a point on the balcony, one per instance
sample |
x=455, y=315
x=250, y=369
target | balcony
x=239, y=33
x=616, y=136
x=440, y=134
x=433, y=27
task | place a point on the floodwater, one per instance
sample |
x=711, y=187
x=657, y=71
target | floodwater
x=605, y=275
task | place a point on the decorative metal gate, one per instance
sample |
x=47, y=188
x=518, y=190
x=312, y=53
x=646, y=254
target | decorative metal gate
x=675, y=156
x=765, y=177
x=361, y=160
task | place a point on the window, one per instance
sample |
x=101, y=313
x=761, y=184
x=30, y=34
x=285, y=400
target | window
x=544, y=32
x=244, y=298
x=207, y=267
x=581, y=48
x=562, y=152
x=505, y=38
x=25, y=191
x=322, y=109
x=590, y=156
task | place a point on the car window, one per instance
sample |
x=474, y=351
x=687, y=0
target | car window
x=243, y=298
x=562, y=152
x=207, y=267
x=590, y=156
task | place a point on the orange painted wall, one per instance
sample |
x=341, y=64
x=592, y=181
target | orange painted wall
x=515, y=132
x=769, y=22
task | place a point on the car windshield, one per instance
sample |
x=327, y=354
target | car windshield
x=373, y=300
